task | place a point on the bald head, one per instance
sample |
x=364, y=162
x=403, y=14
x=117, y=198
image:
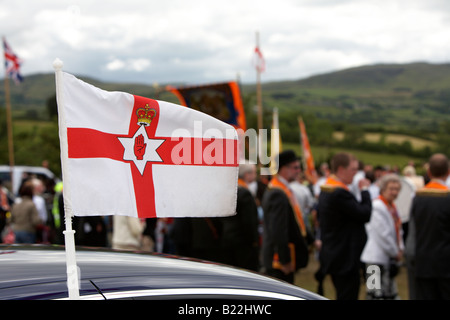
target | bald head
x=438, y=166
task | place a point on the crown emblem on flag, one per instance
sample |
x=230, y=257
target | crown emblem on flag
x=145, y=115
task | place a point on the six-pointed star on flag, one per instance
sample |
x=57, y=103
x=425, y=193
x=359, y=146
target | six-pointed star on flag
x=150, y=153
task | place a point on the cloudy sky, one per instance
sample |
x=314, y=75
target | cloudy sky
x=203, y=41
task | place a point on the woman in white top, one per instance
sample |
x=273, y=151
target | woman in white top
x=384, y=246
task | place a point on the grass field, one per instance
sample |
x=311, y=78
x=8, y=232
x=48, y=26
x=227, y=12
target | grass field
x=21, y=126
x=305, y=279
x=321, y=154
x=416, y=143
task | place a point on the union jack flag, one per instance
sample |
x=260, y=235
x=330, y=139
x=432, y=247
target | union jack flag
x=12, y=63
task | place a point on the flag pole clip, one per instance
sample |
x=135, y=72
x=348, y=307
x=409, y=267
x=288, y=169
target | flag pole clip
x=73, y=280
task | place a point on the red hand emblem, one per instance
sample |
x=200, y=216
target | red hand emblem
x=139, y=147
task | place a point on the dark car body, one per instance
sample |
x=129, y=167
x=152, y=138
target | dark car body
x=39, y=273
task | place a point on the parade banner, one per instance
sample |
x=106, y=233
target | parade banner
x=222, y=101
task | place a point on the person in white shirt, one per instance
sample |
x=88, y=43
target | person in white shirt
x=39, y=200
x=384, y=246
x=324, y=173
x=304, y=197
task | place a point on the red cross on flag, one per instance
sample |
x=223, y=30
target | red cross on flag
x=129, y=155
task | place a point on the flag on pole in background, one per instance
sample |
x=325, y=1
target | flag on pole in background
x=258, y=60
x=308, y=161
x=129, y=155
x=12, y=63
x=222, y=101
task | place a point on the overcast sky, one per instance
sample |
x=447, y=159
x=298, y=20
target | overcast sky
x=204, y=41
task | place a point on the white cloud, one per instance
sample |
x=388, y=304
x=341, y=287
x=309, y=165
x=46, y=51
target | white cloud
x=200, y=41
x=115, y=64
x=137, y=65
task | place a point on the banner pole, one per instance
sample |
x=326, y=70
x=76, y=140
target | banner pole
x=69, y=234
x=10, y=129
x=260, y=109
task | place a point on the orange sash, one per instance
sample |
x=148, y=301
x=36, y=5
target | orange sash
x=333, y=181
x=435, y=185
x=276, y=259
x=394, y=213
x=276, y=183
x=433, y=188
x=242, y=183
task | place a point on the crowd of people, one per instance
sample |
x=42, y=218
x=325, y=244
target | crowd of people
x=349, y=219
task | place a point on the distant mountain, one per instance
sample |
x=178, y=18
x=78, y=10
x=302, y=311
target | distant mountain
x=41, y=86
x=396, y=96
x=414, y=76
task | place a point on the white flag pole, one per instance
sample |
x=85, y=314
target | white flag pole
x=69, y=233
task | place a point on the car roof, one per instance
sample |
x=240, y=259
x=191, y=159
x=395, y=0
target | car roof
x=39, y=272
x=29, y=169
x=5, y=173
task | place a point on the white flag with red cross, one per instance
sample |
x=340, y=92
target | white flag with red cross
x=128, y=155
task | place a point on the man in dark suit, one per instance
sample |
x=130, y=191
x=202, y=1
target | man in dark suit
x=341, y=222
x=430, y=226
x=285, y=247
x=240, y=238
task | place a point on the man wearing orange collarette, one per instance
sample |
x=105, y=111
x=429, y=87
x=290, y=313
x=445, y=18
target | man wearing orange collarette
x=285, y=248
x=341, y=220
x=428, y=243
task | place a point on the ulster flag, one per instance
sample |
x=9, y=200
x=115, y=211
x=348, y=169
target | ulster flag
x=128, y=155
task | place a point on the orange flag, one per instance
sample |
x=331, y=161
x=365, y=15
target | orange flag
x=308, y=161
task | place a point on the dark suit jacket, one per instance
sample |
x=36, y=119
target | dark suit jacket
x=240, y=237
x=242, y=228
x=431, y=214
x=280, y=229
x=343, y=234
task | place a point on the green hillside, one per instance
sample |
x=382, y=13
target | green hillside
x=411, y=98
x=29, y=99
x=406, y=98
x=364, y=105
x=394, y=77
